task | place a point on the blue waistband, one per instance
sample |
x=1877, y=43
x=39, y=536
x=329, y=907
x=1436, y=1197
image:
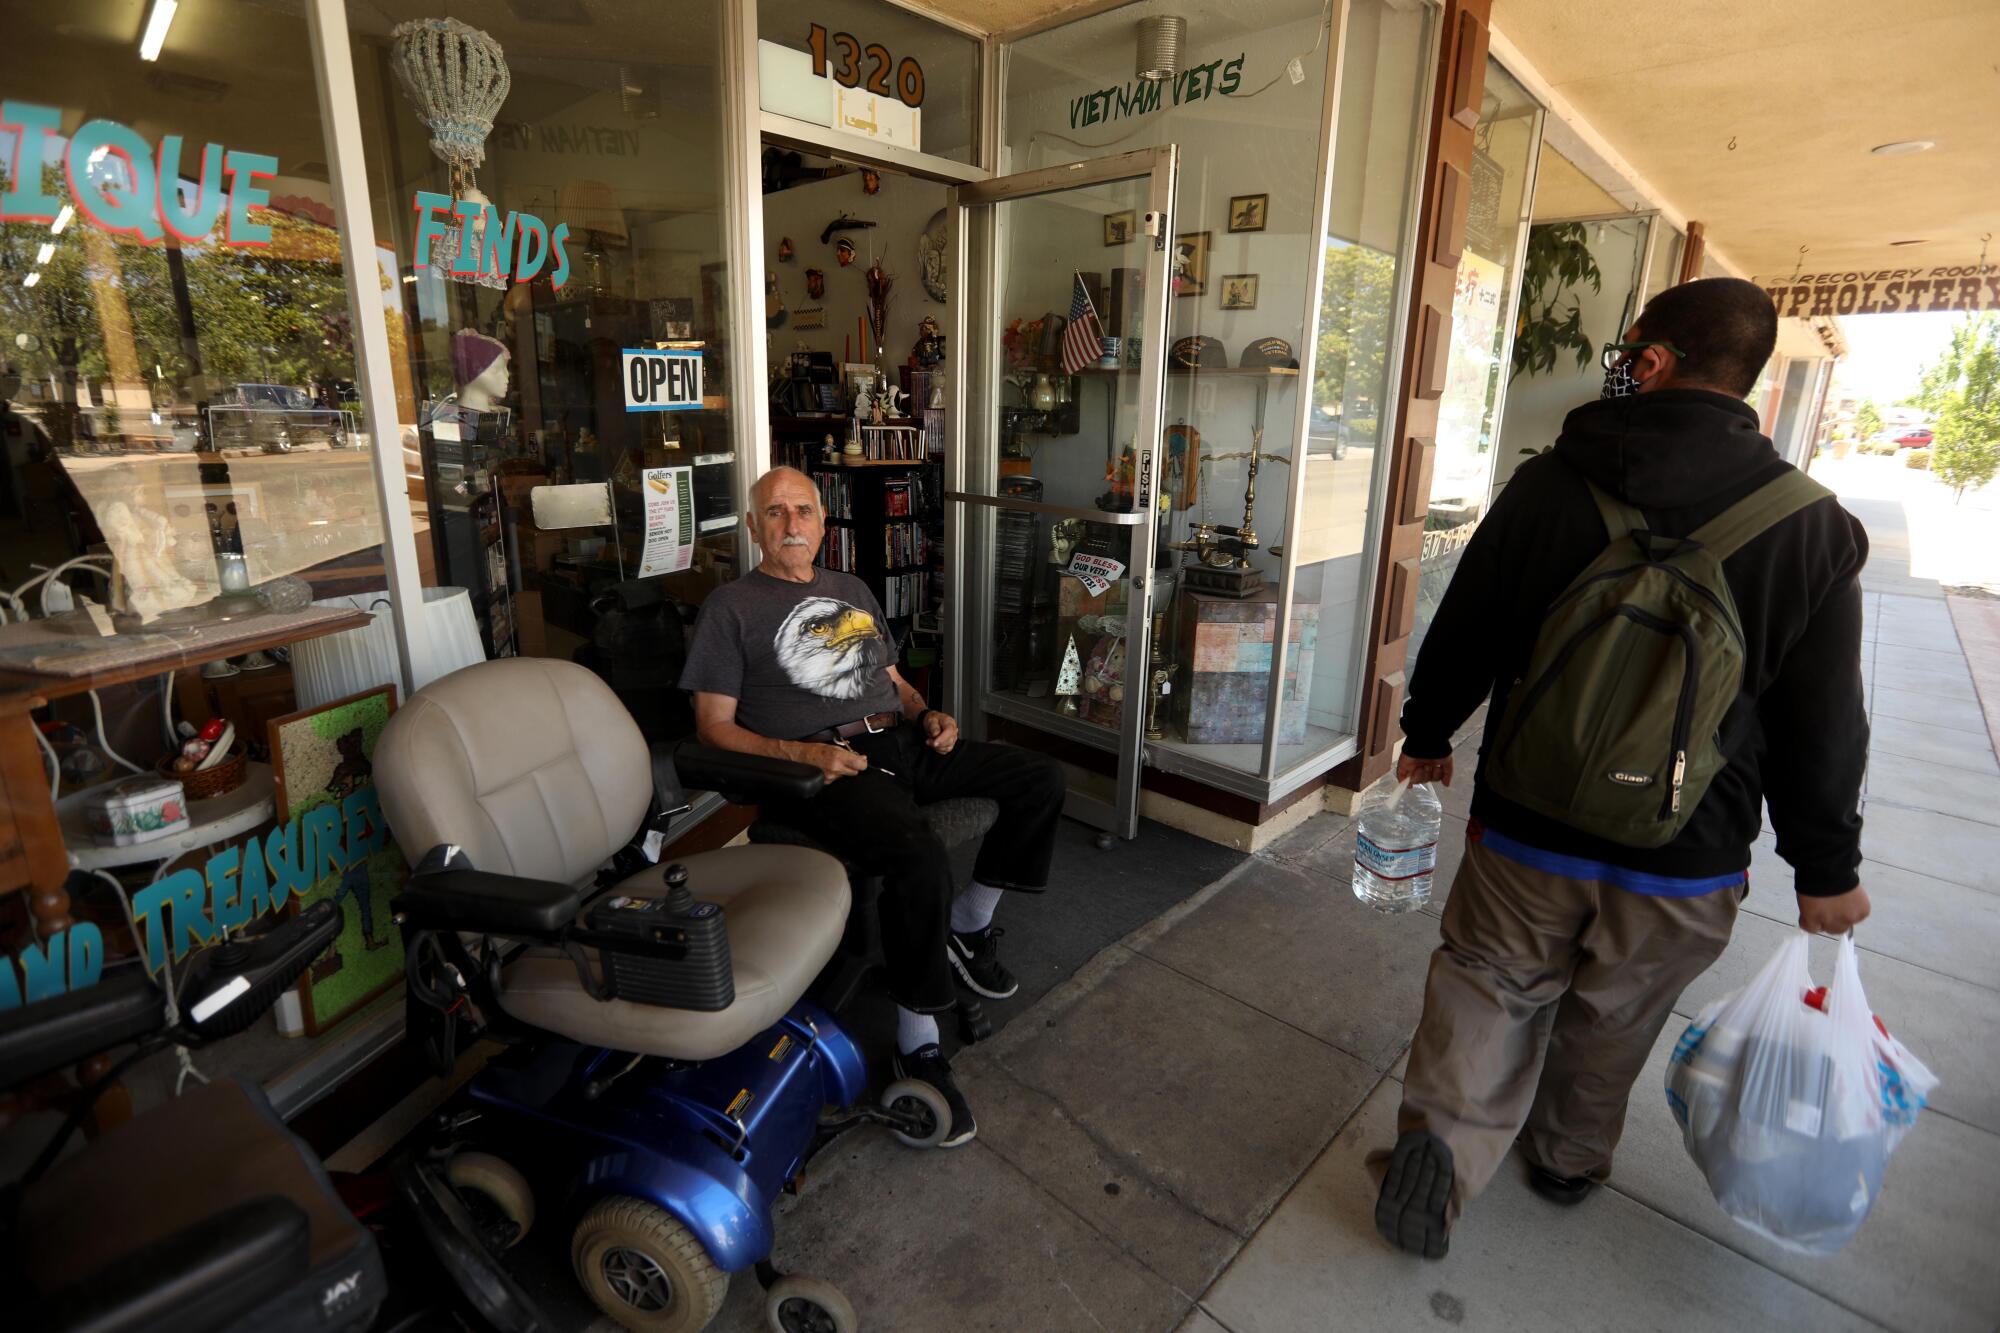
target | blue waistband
x=1578, y=867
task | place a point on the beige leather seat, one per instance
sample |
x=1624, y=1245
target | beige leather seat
x=534, y=768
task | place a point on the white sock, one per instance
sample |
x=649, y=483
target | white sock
x=972, y=910
x=914, y=1031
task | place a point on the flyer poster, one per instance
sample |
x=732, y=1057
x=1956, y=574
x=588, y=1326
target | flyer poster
x=669, y=495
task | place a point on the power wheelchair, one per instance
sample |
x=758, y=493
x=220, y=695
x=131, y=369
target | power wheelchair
x=658, y=1089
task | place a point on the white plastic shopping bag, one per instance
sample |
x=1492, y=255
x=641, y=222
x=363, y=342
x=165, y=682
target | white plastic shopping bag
x=1790, y=1100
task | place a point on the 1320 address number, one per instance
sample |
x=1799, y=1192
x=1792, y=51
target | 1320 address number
x=909, y=89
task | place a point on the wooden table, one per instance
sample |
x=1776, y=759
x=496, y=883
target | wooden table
x=39, y=665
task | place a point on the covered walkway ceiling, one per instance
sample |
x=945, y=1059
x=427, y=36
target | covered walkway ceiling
x=1758, y=118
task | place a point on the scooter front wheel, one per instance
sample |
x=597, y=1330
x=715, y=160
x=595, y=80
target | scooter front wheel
x=499, y=1184
x=644, y=1269
x=922, y=1107
x=808, y=1305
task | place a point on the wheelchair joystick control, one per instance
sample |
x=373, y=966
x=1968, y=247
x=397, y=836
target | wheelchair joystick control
x=686, y=965
x=680, y=900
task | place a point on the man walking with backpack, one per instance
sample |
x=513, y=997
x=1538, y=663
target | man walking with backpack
x=1668, y=618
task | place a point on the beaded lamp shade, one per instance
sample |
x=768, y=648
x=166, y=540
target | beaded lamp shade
x=457, y=77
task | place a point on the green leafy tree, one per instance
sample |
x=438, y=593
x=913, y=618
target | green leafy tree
x=1558, y=262
x=1351, y=364
x=274, y=314
x=1965, y=388
x=1867, y=422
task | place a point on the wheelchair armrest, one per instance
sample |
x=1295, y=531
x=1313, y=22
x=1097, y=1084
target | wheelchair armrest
x=458, y=897
x=670, y=797
x=746, y=779
x=208, y=1275
x=48, y=1034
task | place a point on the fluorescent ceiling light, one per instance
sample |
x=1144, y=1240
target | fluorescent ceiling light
x=46, y=253
x=32, y=278
x=62, y=220
x=157, y=24
x=1903, y=147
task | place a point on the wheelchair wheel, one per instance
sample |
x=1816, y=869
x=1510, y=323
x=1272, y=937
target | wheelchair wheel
x=808, y=1305
x=921, y=1102
x=644, y=1269
x=498, y=1187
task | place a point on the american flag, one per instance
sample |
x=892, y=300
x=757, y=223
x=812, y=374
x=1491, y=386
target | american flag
x=1083, y=340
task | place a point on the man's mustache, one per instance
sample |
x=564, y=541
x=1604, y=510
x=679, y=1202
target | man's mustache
x=795, y=541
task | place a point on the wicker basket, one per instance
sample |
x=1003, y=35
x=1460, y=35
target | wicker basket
x=205, y=784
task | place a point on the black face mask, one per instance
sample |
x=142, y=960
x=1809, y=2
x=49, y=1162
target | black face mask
x=1620, y=382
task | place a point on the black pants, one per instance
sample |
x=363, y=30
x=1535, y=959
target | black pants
x=874, y=821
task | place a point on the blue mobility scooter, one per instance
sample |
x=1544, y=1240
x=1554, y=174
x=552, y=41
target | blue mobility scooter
x=664, y=1078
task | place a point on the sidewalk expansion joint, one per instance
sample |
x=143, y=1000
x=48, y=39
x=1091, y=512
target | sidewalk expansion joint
x=1115, y=1157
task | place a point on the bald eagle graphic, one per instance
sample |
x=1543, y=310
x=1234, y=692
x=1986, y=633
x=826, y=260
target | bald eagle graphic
x=828, y=647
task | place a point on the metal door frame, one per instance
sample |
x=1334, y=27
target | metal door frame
x=977, y=228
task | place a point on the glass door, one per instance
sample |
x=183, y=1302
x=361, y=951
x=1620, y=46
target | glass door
x=1053, y=490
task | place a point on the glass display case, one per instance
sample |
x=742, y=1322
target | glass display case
x=1287, y=246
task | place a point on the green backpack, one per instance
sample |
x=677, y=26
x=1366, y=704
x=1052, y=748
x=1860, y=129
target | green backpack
x=1612, y=728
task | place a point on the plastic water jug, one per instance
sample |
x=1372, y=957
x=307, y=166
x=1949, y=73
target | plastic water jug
x=1395, y=847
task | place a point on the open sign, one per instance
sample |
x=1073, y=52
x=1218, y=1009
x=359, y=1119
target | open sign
x=658, y=380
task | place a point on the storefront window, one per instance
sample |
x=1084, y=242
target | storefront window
x=871, y=70
x=1563, y=325
x=185, y=448
x=178, y=358
x=1378, y=153
x=1248, y=136
x=1501, y=180
x=559, y=325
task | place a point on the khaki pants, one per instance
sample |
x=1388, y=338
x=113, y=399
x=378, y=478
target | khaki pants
x=1541, y=1007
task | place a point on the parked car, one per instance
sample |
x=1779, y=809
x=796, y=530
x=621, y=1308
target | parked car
x=274, y=419
x=1912, y=437
x=1326, y=433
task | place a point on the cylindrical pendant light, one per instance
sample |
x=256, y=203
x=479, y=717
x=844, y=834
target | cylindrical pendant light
x=1160, y=41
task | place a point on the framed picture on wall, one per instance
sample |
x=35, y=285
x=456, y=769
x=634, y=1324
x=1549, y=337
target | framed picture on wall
x=323, y=766
x=1191, y=262
x=1239, y=291
x=1247, y=212
x=1118, y=227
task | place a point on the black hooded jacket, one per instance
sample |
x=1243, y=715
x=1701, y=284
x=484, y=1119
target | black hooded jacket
x=1797, y=736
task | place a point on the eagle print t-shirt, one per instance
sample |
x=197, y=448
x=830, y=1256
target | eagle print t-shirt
x=797, y=657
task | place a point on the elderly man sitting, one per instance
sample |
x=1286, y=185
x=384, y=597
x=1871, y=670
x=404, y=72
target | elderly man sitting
x=791, y=661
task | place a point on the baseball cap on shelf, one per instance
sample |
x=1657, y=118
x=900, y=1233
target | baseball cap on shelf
x=1200, y=351
x=1270, y=352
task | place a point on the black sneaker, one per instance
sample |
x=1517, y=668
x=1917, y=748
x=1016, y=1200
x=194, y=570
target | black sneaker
x=976, y=959
x=927, y=1064
x=1410, y=1211
x=1565, y=1190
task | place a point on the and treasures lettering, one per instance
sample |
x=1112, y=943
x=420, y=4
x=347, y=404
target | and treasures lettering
x=190, y=908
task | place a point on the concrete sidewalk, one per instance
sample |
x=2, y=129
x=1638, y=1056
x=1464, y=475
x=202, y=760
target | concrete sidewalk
x=1175, y=1137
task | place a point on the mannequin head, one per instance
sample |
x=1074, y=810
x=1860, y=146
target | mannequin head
x=480, y=363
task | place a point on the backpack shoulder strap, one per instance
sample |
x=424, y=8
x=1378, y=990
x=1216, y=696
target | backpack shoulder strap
x=1620, y=519
x=1764, y=507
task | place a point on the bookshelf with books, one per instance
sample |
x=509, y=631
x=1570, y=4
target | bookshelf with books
x=885, y=525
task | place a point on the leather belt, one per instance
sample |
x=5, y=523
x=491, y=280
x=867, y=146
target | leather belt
x=874, y=722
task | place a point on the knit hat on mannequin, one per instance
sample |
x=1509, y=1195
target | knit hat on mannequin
x=472, y=352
